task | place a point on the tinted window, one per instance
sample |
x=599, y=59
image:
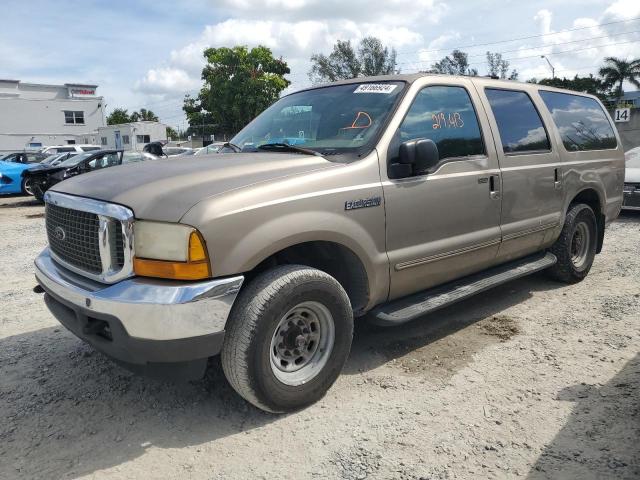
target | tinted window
x=446, y=116
x=582, y=123
x=519, y=124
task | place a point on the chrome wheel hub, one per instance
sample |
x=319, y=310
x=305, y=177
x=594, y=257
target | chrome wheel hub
x=302, y=343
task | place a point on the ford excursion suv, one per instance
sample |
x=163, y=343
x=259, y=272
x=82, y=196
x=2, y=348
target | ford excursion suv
x=389, y=196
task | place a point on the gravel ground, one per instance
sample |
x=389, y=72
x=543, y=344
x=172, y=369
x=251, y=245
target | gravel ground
x=533, y=379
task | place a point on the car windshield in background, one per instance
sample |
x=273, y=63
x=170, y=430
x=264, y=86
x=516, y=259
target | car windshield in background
x=342, y=119
x=134, y=157
x=76, y=159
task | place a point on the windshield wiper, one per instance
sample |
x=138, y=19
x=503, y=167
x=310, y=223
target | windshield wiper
x=285, y=147
x=232, y=146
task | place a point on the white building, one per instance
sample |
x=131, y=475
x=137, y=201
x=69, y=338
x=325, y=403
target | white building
x=35, y=115
x=131, y=136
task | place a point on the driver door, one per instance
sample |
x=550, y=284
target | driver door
x=445, y=224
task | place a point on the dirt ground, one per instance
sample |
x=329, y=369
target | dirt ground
x=533, y=379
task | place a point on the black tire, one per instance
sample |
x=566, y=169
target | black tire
x=27, y=186
x=251, y=328
x=38, y=193
x=579, y=235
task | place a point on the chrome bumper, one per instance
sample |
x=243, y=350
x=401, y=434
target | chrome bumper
x=148, y=309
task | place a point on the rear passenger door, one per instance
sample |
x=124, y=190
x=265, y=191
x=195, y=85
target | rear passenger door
x=531, y=174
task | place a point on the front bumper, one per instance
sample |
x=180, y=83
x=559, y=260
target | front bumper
x=140, y=320
x=631, y=199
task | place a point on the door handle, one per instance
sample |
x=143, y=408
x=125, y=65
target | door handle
x=494, y=187
x=557, y=179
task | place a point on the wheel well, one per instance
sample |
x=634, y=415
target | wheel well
x=590, y=197
x=332, y=258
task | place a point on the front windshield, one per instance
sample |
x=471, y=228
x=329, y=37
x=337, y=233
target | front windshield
x=76, y=159
x=51, y=158
x=331, y=120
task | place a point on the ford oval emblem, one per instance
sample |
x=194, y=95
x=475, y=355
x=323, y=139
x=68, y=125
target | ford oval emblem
x=60, y=233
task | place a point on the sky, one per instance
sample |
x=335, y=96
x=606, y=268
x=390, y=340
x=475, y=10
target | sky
x=148, y=53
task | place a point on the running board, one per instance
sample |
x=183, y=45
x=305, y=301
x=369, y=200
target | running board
x=413, y=306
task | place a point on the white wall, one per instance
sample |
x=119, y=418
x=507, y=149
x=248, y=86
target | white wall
x=33, y=113
x=155, y=130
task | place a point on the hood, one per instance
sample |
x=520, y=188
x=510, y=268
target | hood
x=45, y=169
x=166, y=189
x=632, y=175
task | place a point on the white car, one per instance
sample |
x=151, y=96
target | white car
x=77, y=148
x=631, y=199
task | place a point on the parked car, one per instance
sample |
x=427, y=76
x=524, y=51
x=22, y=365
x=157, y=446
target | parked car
x=24, y=157
x=12, y=180
x=78, y=148
x=213, y=148
x=393, y=196
x=41, y=178
x=631, y=193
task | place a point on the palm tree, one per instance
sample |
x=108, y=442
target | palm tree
x=616, y=71
x=144, y=115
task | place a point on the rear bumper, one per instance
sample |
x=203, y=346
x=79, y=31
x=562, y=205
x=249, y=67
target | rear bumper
x=140, y=321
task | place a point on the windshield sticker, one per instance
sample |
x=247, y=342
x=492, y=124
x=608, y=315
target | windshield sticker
x=375, y=88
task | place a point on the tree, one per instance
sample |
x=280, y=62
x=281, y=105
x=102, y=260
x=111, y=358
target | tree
x=238, y=85
x=456, y=64
x=144, y=115
x=498, y=67
x=616, y=71
x=172, y=134
x=344, y=62
x=118, y=116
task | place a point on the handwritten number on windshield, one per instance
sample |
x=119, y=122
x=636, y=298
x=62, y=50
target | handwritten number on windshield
x=450, y=120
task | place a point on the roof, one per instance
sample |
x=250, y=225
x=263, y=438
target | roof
x=412, y=77
x=631, y=95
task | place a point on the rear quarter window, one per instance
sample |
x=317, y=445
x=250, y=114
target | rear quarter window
x=581, y=121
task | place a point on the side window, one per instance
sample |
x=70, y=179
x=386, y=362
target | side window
x=582, y=123
x=519, y=123
x=95, y=164
x=445, y=115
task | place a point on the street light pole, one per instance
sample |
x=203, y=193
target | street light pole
x=553, y=70
x=203, y=111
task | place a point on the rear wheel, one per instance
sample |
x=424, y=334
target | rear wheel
x=288, y=336
x=576, y=246
x=27, y=186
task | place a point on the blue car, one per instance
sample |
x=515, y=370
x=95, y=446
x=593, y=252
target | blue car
x=12, y=179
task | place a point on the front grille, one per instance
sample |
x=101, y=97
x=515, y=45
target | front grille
x=73, y=237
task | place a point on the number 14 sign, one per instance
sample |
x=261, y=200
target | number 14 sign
x=622, y=115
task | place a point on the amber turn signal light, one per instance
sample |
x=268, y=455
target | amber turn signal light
x=196, y=268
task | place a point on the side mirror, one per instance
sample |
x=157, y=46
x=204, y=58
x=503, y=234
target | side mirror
x=421, y=154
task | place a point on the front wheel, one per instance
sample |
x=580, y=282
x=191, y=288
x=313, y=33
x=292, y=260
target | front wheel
x=27, y=186
x=288, y=336
x=575, y=249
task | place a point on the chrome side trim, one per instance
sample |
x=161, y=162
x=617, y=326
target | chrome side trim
x=109, y=216
x=441, y=256
x=147, y=308
x=540, y=228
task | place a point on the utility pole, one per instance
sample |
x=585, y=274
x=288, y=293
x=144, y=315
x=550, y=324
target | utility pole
x=553, y=70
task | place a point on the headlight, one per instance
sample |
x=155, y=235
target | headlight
x=170, y=250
